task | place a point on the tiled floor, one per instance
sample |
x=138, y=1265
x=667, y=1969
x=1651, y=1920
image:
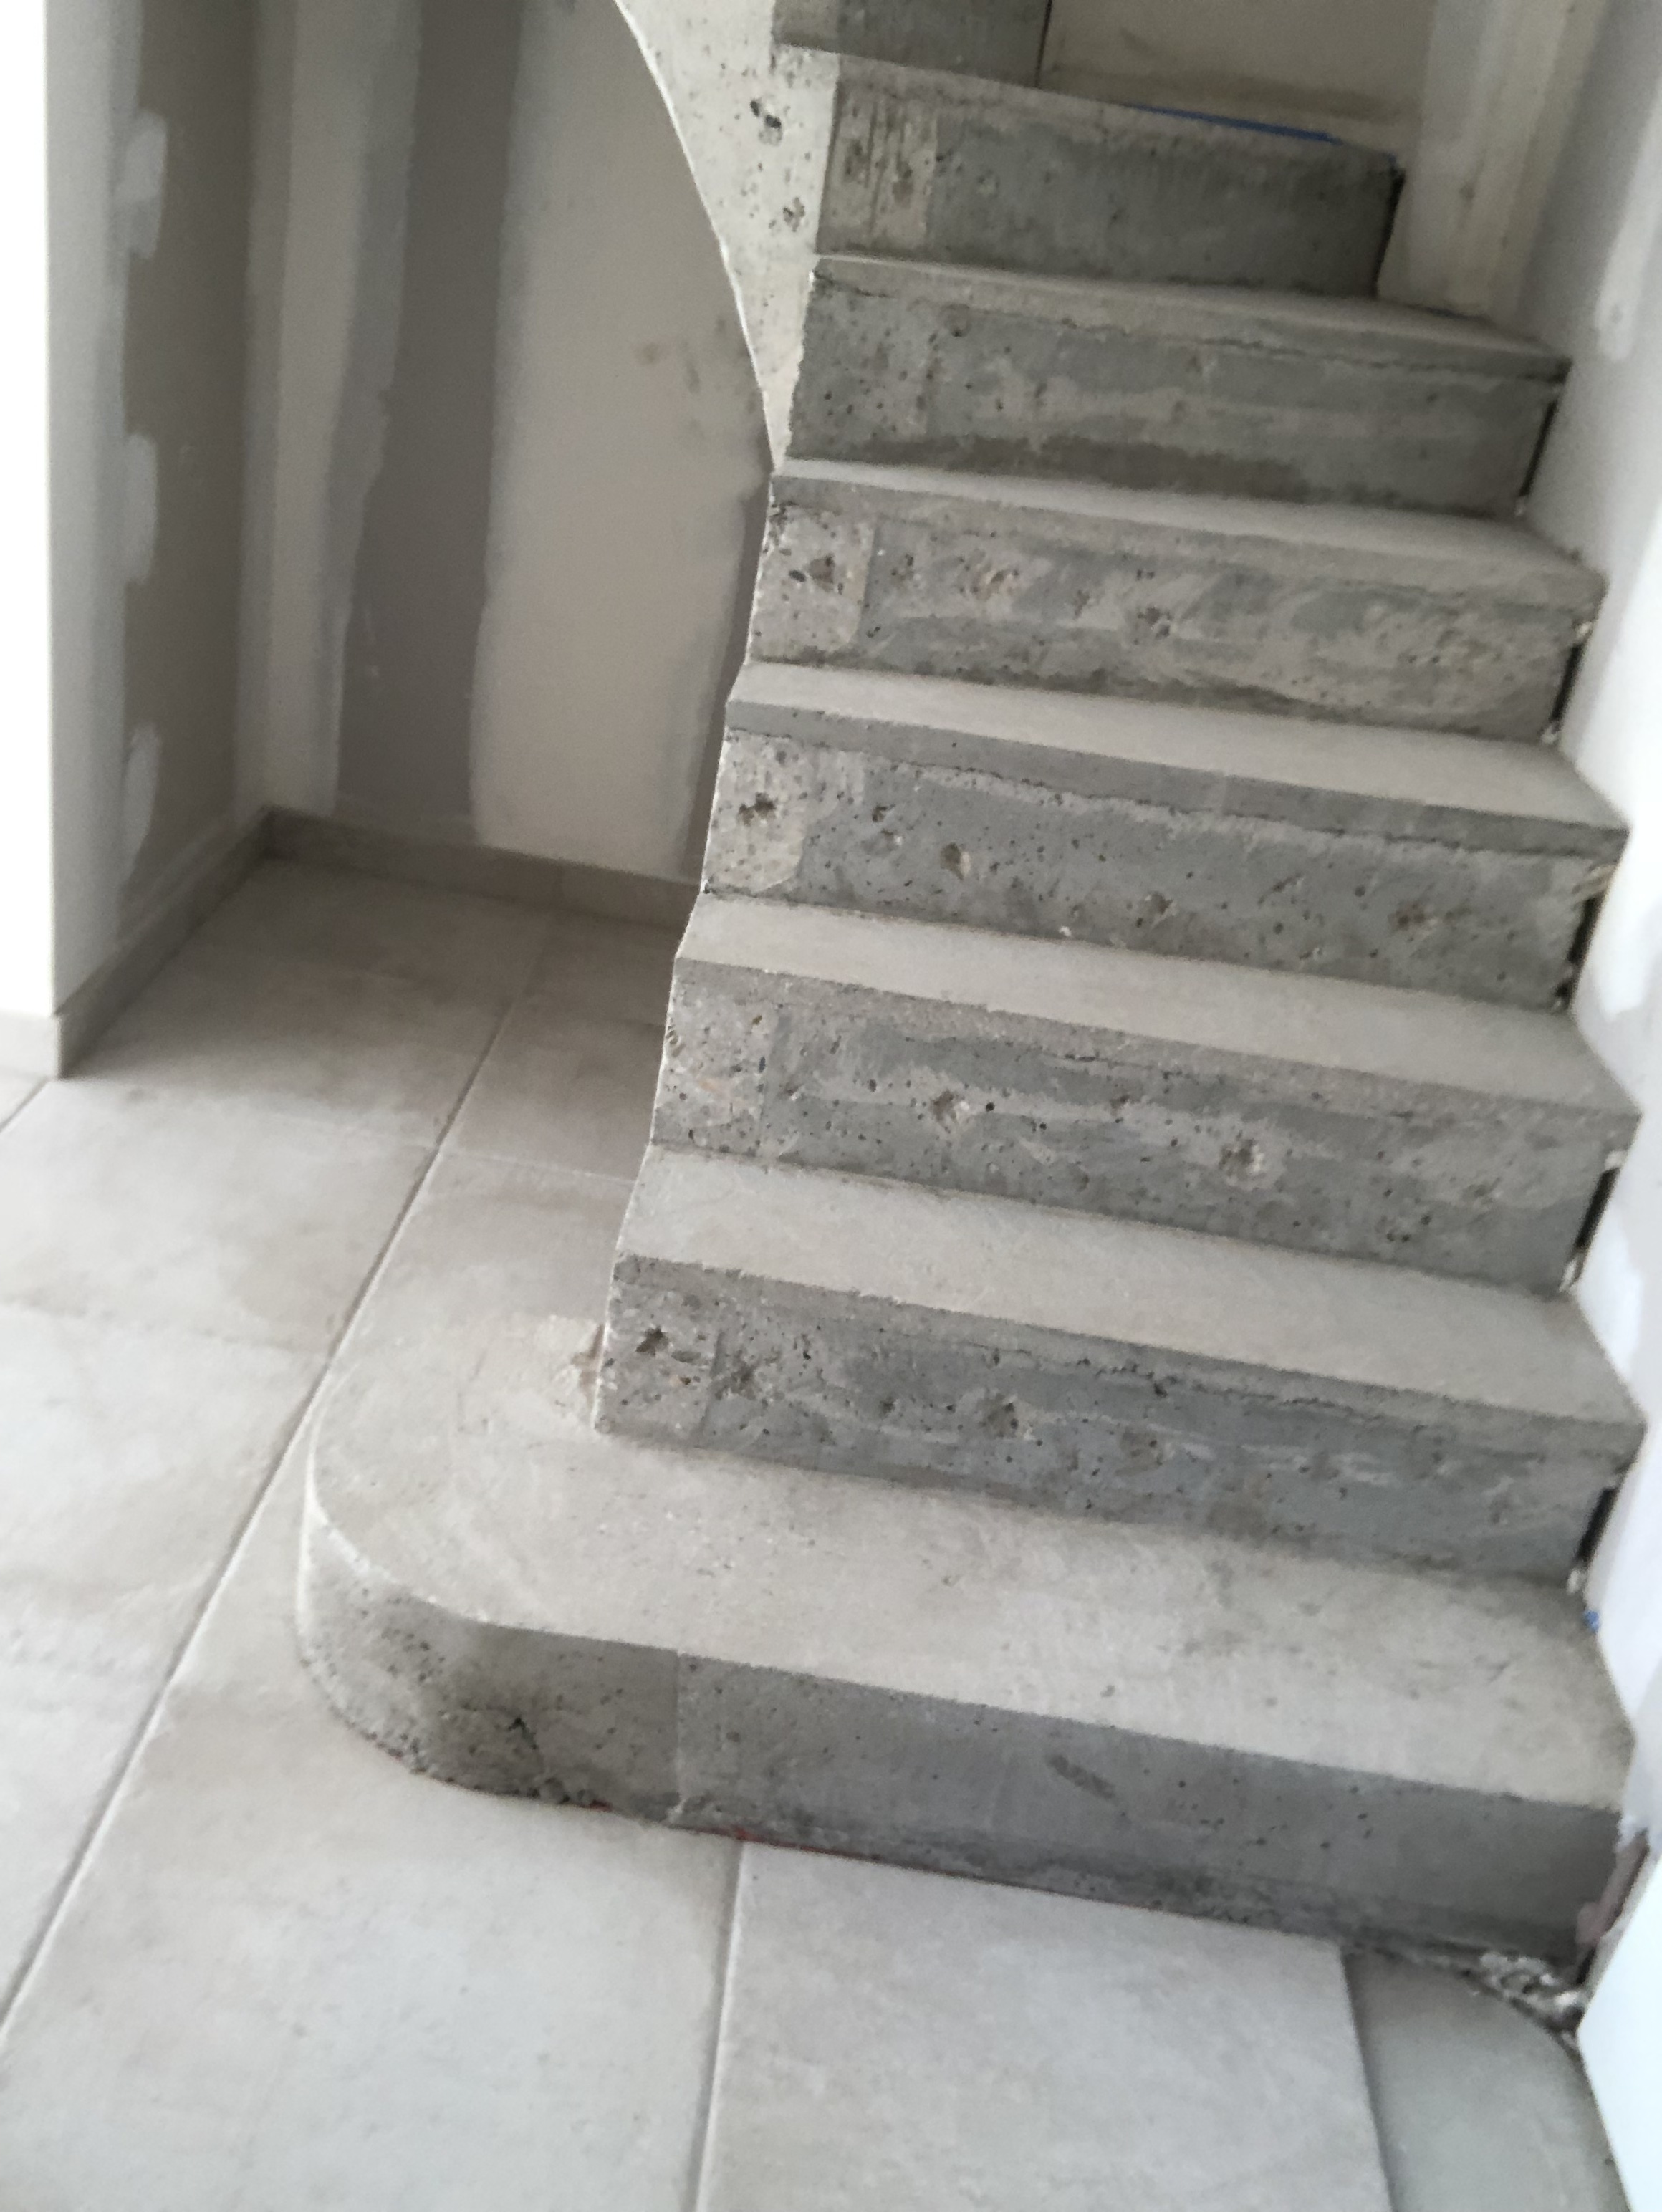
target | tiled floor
x=252, y=1966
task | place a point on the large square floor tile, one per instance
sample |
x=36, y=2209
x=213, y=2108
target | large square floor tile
x=620, y=970
x=565, y=1089
x=922, y=2044
x=130, y=1459
x=478, y=948
x=490, y=1242
x=293, y=1975
x=334, y=1042
x=175, y=1211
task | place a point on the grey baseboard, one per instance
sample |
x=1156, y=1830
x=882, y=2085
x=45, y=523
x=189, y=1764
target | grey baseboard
x=51, y=1045
x=524, y=878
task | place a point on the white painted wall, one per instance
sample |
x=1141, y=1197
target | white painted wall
x=1501, y=81
x=630, y=462
x=26, y=934
x=1595, y=289
x=1353, y=70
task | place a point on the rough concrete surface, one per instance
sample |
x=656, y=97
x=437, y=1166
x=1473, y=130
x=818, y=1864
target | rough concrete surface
x=1092, y=1365
x=1350, y=614
x=1331, y=1117
x=1166, y=387
x=1169, y=1719
x=947, y=169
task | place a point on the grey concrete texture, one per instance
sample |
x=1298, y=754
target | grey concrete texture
x=1328, y=1117
x=1389, y=857
x=943, y=168
x=1168, y=388
x=1476, y=2105
x=1168, y=1720
x=1093, y=1366
x=1352, y=615
x=863, y=830
x=997, y=39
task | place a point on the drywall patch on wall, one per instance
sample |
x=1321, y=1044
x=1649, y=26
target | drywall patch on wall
x=182, y=206
x=352, y=71
x=420, y=580
x=92, y=80
x=630, y=471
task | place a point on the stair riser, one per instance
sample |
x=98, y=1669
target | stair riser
x=826, y=1075
x=1051, y=1804
x=998, y=38
x=1070, y=189
x=826, y=827
x=912, y=381
x=856, y=1386
x=936, y=587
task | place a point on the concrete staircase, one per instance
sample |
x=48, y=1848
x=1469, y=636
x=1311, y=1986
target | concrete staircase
x=1086, y=1398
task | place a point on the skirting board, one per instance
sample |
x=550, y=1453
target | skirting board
x=50, y=1045
x=485, y=869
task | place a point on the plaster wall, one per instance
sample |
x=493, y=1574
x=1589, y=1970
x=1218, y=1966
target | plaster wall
x=121, y=783
x=1595, y=289
x=507, y=447
x=1354, y=71
x=27, y=949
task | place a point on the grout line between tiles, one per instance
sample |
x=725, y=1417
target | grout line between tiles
x=12, y=1993
x=703, y=2129
x=12, y=1112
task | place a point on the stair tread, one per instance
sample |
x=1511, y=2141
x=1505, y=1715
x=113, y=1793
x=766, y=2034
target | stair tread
x=1082, y=116
x=1321, y=1022
x=496, y=1503
x=1346, y=329
x=1503, y=558
x=1344, y=1325
x=1398, y=782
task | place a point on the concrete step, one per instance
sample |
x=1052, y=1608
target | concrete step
x=1168, y=388
x=1095, y=1367
x=1352, y=614
x=1434, y=863
x=505, y=1599
x=939, y=167
x=999, y=39
x=1325, y=1116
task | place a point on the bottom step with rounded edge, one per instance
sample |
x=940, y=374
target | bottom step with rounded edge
x=511, y=1602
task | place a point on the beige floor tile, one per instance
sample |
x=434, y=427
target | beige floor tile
x=565, y=1089
x=309, y=1039
x=922, y=2044
x=450, y=941
x=294, y=1975
x=182, y=1212
x=491, y=1240
x=131, y=1459
x=620, y=970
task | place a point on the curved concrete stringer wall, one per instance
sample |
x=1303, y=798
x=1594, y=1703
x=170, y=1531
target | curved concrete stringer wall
x=755, y=121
